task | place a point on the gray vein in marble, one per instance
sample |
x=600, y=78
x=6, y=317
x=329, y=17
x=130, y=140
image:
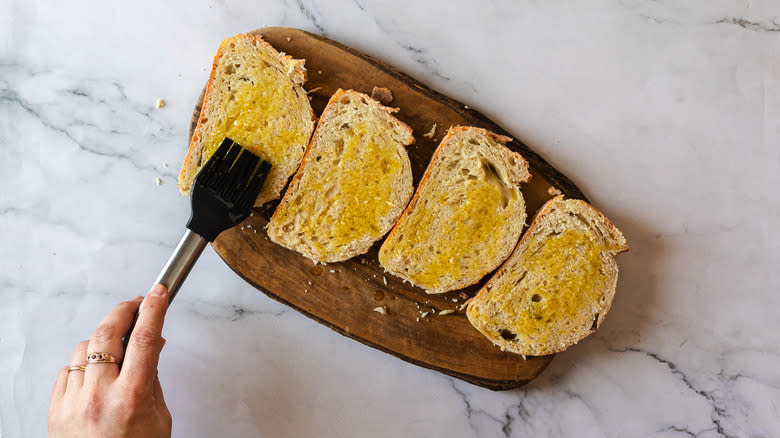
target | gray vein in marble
x=230, y=312
x=678, y=429
x=417, y=54
x=719, y=411
x=10, y=96
x=755, y=26
x=312, y=16
x=650, y=18
x=505, y=421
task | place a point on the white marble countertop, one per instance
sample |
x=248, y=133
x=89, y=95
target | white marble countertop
x=666, y=114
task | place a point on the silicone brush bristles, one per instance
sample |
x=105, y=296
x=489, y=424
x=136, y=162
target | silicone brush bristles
x=226, y=188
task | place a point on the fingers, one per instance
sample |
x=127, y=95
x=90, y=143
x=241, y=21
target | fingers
x=143, y=349
x=158, y=393
x=59, y=385
x=108, y=339
x=79, y=357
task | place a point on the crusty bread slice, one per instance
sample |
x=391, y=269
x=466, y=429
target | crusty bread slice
x=558, y=284
x=466, y=216
x=354, y=183
x=255, y=96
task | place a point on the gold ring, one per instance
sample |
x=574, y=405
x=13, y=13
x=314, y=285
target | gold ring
x=77, y=368
x=100, y=358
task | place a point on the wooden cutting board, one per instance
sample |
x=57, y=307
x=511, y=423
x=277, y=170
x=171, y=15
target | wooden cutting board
x=342, y=295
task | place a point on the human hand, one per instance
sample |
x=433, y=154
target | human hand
x=100, y=400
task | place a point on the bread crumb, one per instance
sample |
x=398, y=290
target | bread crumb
x=319, y=72
x=384, y=280
x=158, y=181
x=159, y=104
x=446, y=312
x=382, y=95
x=424, y=314
x=332, y=271
x=314, y=90
x=454, y=300
x=466, y=106
x=289, y=39
x=553, y=191
x=432, y=132
x=381, y=310
x=463, y=296
x=306, y=291
x=418, y=319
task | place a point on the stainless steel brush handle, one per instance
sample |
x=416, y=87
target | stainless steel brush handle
x=181, y=262
x=176, y=269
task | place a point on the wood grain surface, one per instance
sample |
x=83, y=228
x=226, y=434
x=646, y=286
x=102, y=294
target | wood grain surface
x=342, y=296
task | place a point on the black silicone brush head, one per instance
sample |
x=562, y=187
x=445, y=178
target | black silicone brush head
x=225, y=189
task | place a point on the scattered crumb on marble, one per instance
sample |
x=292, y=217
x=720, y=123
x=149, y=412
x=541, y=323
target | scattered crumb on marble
x=158, y=181
x=159, y=103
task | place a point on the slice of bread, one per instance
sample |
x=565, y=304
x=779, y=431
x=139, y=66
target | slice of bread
x=254, y=96
x=558, y=284
x=354, y=183
x=466, y=216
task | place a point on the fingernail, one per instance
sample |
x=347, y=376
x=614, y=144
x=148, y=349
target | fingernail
x=139, y=298
x=158, y=290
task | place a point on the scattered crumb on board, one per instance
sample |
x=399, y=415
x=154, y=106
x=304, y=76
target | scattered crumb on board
x=432, y=132
x=382, y=95
x=553, y=191
x=381, y=310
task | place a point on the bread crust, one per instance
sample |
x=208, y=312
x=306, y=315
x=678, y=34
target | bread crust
x=615, y=236
x=435, y=159
x=193, y=159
